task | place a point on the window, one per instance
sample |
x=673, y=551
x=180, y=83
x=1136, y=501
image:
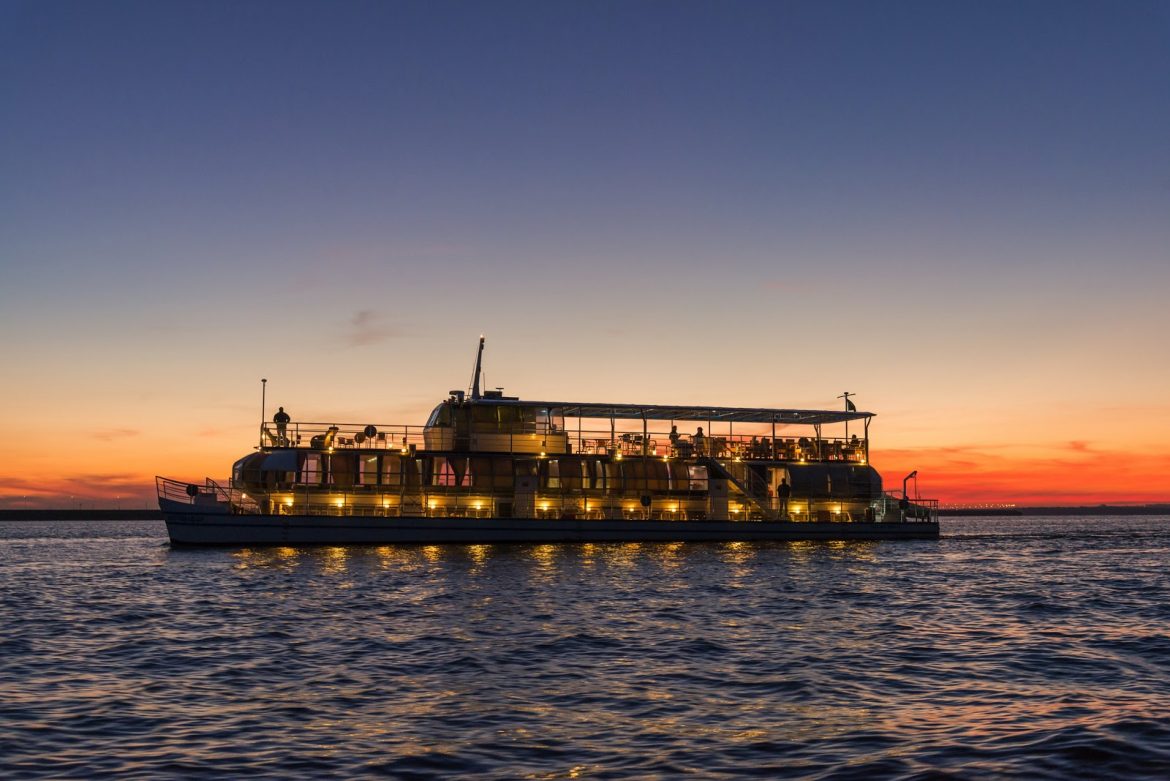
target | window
x=310, y=471
x=368, y=473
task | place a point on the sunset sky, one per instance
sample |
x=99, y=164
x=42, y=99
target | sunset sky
x=959, y=211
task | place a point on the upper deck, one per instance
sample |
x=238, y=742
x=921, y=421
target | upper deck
x=499, y=424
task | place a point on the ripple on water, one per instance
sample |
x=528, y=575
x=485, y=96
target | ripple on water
x=1014, y=648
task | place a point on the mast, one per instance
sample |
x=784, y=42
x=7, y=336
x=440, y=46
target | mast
x=478, y=364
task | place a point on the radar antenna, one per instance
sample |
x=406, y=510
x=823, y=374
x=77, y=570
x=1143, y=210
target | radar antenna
x=478, y=370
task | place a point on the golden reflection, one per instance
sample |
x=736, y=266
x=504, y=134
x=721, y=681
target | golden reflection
x=432, y=552
x=544, y=554
x=671, y=558
x=243, y=558
x=478, y=553
x=336, y=560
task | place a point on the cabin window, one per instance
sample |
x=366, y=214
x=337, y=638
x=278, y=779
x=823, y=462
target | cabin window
x=550, y=474
x=368, y=472
x=391, y=470
x=697, y=478
x=573, y=474
x=548, y=420
x=310, y=471
x=611, y=477
x=440, y=416
x=444, y=473
x=485, y=419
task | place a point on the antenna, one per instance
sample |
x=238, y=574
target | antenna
x=478, y=368
x=263, y=412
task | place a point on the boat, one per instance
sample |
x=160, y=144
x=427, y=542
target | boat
x=491, y=468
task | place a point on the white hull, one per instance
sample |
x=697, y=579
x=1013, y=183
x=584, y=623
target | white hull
x=193, y=528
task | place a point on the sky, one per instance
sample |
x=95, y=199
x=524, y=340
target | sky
x=959, y=211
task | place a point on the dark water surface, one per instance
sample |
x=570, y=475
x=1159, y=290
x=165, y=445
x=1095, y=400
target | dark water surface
x=1014, y=647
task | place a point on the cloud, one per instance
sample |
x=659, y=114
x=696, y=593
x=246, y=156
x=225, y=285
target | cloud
x=366, y=328
x=111, y=434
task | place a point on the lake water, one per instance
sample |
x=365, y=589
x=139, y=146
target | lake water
x=1013, y=647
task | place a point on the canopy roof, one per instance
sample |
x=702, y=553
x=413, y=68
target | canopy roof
x=811, y=417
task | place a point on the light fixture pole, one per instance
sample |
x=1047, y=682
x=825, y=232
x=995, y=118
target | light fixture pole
x=904, y=480
x=263, y=408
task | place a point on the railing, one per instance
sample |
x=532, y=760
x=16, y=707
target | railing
x=551, y=440
x=341, y=435
x=897, y=508
x=210, y=493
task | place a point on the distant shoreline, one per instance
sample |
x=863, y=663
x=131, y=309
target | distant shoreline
x=81, y=515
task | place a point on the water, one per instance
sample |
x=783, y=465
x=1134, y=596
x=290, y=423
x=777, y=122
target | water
x=1032, y=647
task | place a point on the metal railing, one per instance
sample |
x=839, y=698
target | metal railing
x=551, y=440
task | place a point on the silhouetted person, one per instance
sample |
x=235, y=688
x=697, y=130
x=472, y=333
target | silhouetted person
x=700, y=442
x=783, y=491
x=281, y=419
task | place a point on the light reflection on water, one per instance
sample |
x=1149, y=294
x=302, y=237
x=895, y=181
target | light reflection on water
x=1031, y=647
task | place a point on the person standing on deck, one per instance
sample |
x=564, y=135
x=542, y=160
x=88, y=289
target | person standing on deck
x=700, y=442
x=783, y=491
x=281, y=419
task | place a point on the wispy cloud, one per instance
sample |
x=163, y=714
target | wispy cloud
x=111, y=434
x=367, y=327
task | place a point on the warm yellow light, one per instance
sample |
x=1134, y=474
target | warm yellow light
x=544, y=505
x=288, y=502
x=477, y=505
x=542, y=454
x=618, y=457
x=431, y=504
x=340, y=502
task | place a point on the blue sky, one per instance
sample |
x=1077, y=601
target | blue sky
x=799, y=195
